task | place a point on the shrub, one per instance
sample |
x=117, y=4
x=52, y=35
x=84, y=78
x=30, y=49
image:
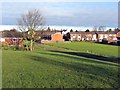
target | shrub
x=5, y=47
x=104, y=40
x=16, y=47
x=118, y=43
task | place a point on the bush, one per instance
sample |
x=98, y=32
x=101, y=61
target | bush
x=104, y=40
x=75, y=41
x=16, y=47
x=118, y=43
x=5, y=47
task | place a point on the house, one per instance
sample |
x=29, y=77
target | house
x=98, y=36
x=83, y=36
x=10, y=38
x=13, y=37
x=57, y=37
x=118, y=38
x=118, y=34
x=110, y=36
x=50, y=36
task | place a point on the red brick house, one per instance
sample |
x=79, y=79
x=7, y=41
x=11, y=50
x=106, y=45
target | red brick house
x=118, y=38
x=57, y=37
x=7, y=38
x=11, y=41
x=52, y=37
x=118, y=34
x=110, y=36
x=83, y=36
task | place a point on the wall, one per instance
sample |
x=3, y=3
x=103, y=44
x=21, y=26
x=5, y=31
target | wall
x=57, y=37
x=10, y=41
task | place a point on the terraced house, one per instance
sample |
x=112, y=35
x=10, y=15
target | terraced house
x=110, y=36
x=83, y=36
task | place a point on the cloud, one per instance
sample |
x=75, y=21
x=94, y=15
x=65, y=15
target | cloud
x=65, y=13
x=59, y=13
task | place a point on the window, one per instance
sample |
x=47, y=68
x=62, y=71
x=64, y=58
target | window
x=114, y=38
x=110, y=35
x=14, y=39
x=101, y=36
x=106, y=36
x=2, y=39
x=94, y=37
x=74, y=37
x=79, y=37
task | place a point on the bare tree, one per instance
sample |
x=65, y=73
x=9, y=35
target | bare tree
x=29, y=23
x=95, y=28
x=101, y=28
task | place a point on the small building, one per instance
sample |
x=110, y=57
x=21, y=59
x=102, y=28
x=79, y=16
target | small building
x=51, y=36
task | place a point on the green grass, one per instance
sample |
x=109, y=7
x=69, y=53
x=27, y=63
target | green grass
x=45, y=68
x=100, y=49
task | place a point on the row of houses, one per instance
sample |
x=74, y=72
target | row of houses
x=99, y=36
x=111, y=36
x=11, y=38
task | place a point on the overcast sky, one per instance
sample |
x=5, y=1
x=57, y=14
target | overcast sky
x=65, y=13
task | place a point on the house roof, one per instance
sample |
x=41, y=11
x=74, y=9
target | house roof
x=13, y=33
x=10, y=34
x=81, y=32
x=106, y=32
x=46, y=33
x=93, y=32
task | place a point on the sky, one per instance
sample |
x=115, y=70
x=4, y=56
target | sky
x=64, y=13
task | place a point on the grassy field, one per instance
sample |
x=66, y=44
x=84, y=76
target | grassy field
x=61, y=65
x=100, y=49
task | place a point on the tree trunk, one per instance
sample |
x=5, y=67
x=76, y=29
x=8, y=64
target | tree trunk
x=31, y=45
x=27, y=47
